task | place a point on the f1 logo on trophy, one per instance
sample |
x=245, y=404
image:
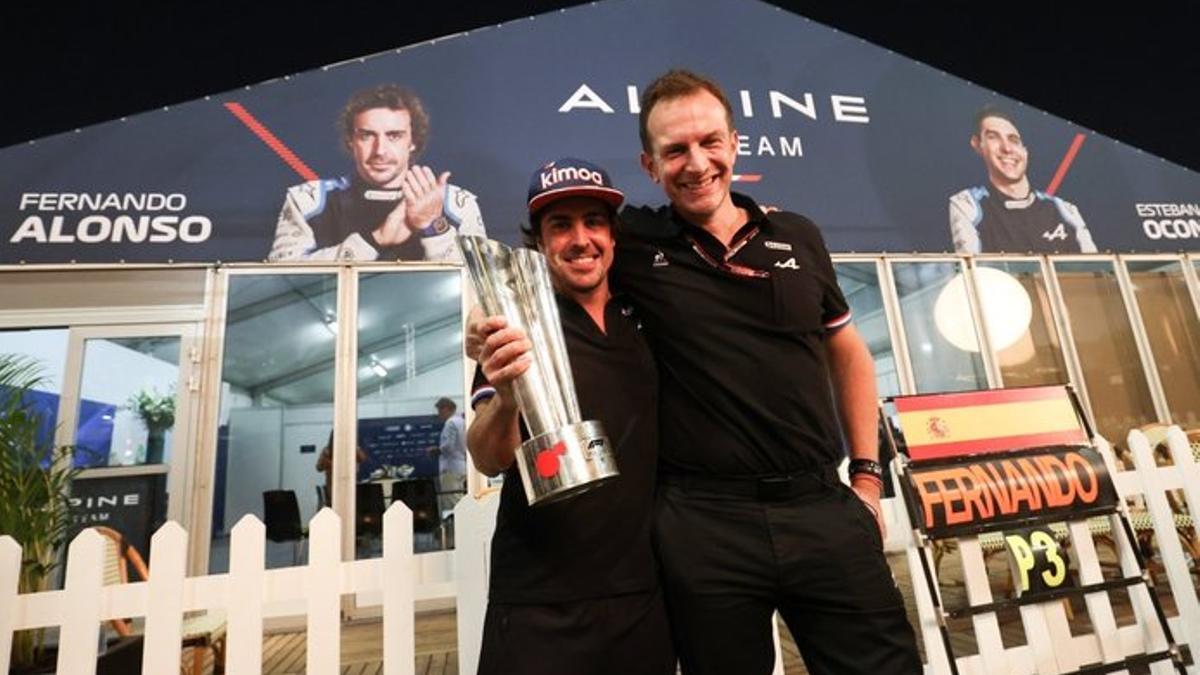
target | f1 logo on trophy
x=564, y=455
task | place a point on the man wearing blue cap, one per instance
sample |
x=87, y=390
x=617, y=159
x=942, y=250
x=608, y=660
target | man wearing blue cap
x=574, y=587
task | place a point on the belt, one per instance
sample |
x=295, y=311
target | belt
x=763, y=488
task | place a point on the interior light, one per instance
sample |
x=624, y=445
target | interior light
x=1004, y=303
x=379, y=369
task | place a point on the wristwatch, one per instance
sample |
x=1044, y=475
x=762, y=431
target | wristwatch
x=867, y=466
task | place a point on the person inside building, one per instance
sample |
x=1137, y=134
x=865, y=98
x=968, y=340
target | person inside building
x=451, y=453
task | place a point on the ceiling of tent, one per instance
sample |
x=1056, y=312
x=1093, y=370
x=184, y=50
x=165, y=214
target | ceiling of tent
x=279, y=335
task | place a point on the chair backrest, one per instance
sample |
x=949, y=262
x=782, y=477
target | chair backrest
x=281, y=515
x=1193, y=436
x=368, y=508
x=322, y=497
x=119, y=557
x=420, y=496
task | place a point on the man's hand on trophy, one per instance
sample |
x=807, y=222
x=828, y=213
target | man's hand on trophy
x=424, y=193
x=504, y=356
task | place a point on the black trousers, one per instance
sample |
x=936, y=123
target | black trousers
x=620, y=634
x=730, y=562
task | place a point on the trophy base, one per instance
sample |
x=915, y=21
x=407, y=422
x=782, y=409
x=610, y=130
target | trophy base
x=565, y=462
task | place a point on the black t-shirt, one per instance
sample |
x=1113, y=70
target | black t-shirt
x=740, y=339
x=596, y=544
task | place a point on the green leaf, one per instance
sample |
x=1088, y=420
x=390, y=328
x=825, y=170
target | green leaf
x=35, y=484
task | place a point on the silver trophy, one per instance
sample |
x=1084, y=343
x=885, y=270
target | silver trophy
x=564, y=455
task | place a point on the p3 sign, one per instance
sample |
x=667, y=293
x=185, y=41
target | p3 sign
x=1039, y=564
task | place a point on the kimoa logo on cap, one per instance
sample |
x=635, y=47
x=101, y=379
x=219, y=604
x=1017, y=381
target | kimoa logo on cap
x=552, y=175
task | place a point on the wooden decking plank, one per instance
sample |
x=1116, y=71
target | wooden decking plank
x=292, y=660
x=274, y=645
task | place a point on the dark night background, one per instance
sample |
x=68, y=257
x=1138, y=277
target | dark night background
x=1131, y=73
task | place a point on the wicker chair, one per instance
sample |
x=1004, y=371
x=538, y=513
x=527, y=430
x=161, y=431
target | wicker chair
x=201, y=630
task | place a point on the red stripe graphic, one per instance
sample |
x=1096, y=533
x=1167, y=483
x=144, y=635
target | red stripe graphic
x=923, y=453
x=978, y=398
x=277, y=146
x=1064, y=165
x=747, y=177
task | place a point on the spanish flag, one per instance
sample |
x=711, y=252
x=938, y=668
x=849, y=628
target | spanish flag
x=943, y=426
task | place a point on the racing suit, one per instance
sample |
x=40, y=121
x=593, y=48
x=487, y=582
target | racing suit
x=333, y=219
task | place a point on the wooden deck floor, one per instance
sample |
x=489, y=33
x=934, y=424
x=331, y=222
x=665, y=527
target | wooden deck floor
x=436, y=648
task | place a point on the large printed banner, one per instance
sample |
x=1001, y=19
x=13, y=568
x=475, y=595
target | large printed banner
x=133, y=505
x=884, y=153
x=394, y=442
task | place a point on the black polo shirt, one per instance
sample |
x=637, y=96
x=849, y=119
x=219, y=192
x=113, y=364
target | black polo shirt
x=596, y=544
x=739, y=335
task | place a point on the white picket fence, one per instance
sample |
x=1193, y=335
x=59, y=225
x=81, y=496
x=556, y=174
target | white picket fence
x=248, y=594
x=475, y=522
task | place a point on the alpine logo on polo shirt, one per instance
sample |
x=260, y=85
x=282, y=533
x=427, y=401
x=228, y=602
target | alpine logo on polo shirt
x=789, y=264
x=1059, y=232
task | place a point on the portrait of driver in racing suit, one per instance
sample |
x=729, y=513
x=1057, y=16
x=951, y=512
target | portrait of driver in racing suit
x=391, y=208
x=1006, y=214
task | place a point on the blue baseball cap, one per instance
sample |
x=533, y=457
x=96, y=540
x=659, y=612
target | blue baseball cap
x=570, y=177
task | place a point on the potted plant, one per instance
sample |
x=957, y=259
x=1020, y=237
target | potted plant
x=35, y=481
x=157, y=412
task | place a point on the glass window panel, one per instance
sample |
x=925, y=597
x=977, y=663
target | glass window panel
x=409, y=358
x=276, y=413
x=1112, y=369
x=1169, y=317
x=47, y=346
x=942, y=343
x=127, y=401
x=860, y=284
x=1020, y=324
